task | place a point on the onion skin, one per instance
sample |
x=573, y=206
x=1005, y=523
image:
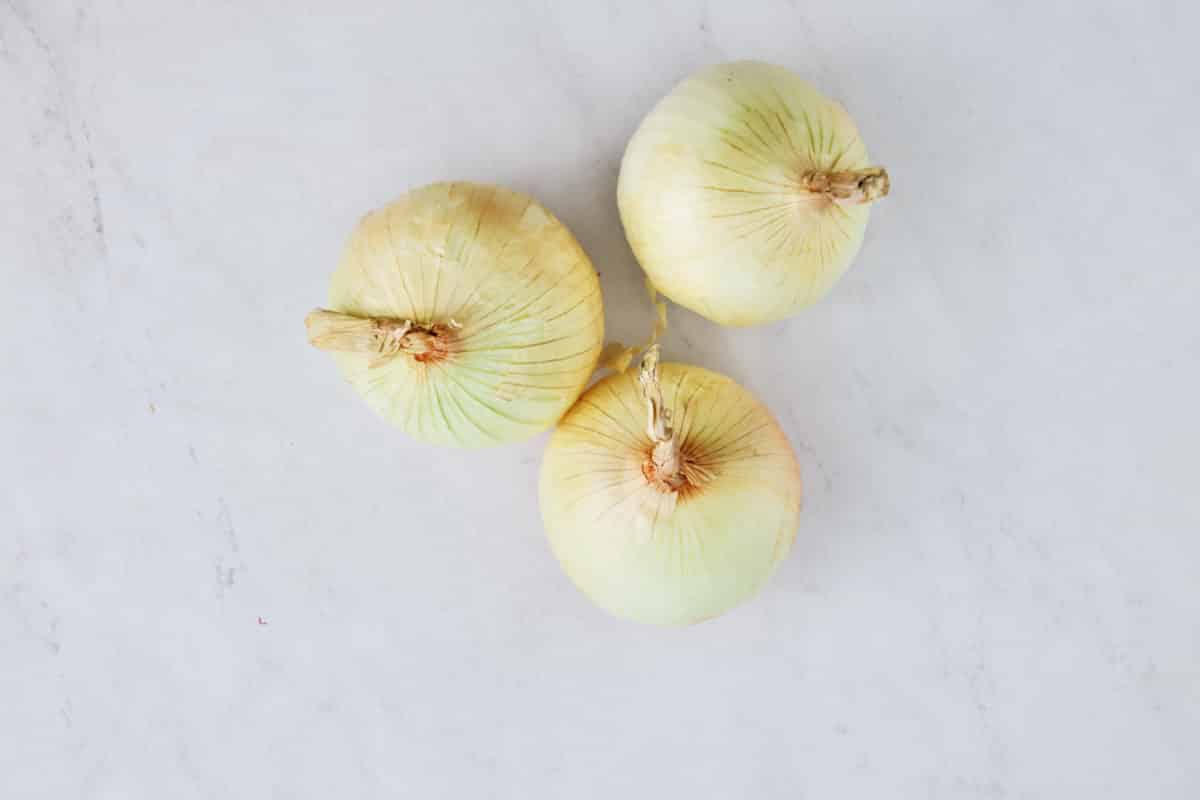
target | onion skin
x=744, y=193
x=464, y=314
x=644, y=551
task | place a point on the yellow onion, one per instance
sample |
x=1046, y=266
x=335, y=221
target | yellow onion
x=744, y=193
x=464, y=314
x=669, y=497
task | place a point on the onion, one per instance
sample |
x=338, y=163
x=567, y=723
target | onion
x=744, y=193
x=669, y=498
x=464, y=315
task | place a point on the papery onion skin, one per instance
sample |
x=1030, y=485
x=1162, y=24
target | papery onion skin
x=717, y=201
x=507, y=299
x=656, y=556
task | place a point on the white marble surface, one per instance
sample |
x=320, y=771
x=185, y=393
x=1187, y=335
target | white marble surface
x=222, y=577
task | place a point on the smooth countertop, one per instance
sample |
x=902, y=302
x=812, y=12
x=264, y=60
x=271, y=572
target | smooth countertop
x=222, y=577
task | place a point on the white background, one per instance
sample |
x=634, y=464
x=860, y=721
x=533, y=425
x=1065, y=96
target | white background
x=994, y=593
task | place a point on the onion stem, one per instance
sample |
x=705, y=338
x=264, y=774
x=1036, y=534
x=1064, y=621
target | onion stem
x=664, y=466
x=856, y=186
x=380, y=336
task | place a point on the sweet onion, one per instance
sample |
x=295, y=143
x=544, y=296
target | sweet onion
x=464, y=314
x=671, y=497
x=744, y=193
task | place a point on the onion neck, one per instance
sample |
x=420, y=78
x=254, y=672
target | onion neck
x=378, y=336
x=852, y=187
x=664, y=464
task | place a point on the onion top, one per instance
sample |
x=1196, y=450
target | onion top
x=744, y=193
x=671, y=497
x=464, y=314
